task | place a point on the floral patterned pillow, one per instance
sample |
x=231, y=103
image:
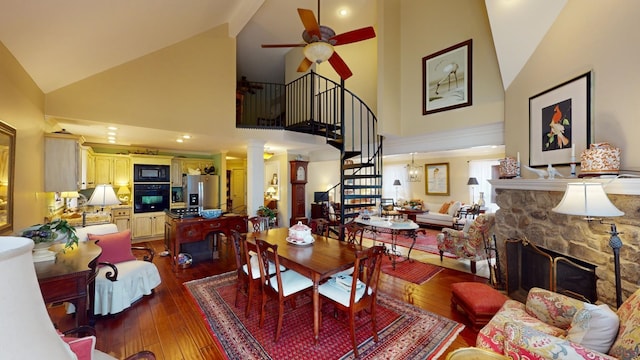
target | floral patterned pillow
x=552, y=308
x=627, y=344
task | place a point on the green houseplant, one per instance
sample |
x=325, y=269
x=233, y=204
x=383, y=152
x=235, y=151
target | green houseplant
x=266, y=212
x=50, y=232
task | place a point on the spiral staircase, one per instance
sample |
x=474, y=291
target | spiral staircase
x=313, y=104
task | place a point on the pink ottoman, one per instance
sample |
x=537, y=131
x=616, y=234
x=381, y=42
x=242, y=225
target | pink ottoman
x=478, y=301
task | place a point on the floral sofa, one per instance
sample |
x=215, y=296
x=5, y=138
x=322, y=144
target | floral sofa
x=554, y=326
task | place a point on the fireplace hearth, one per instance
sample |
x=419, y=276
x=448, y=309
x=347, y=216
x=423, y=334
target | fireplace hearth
x=531, y=266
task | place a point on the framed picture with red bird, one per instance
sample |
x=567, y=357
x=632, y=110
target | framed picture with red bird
x=560, y=122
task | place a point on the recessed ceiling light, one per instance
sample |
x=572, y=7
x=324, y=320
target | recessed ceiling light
x=343, y=12
x=112, y=141
x=112, y=128
x=111, y=133
x=186, y=136
x=111, y=138
x=179, y=140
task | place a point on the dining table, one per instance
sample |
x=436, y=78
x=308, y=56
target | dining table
x=317, y=260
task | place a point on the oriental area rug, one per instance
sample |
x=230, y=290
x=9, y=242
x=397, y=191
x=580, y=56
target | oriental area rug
x=410, y=270
x=426, y=242
x=404, y=331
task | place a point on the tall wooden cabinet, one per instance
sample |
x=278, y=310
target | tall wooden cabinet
x=298, y=173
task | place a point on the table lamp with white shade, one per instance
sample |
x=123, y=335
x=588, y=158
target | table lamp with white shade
x=590, y=200
x=102, y=196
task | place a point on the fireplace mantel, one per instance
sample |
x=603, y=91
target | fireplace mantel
x=624, y=186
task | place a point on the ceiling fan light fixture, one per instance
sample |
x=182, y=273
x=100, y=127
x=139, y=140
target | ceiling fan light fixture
x=318, y=51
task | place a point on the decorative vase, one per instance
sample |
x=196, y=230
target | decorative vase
x=481, y=199
x=41, y=252
x=600, y=159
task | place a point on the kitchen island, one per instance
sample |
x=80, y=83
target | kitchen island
x=178, y=231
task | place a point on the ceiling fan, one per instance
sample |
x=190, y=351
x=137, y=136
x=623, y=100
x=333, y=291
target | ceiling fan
x=320, y=41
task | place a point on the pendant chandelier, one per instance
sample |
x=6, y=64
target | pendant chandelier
x=414, y=171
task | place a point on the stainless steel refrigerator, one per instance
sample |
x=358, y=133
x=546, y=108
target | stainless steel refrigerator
x=202, y=191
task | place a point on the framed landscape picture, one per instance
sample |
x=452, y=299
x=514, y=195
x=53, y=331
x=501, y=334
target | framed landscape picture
x=446, y=79
x=437, y=178
x=560, y=122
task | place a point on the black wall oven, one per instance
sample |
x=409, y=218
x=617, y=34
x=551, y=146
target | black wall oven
x=151, y=173
x=151, y=197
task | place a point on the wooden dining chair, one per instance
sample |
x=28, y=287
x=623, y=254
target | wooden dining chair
x=259, y=223
x=282, y=287
x=352, y=294
x=248, y=276
x=353, y=232
x=320, y=226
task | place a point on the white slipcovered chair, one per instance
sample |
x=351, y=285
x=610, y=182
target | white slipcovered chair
x=134, y=278
x=27, y=331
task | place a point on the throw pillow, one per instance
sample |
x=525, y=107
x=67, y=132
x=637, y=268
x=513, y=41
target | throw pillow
x=82, y=347
x=116, y=247
x=453, y=209
x=445, y=207
x=594, y=327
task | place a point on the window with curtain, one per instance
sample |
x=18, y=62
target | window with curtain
x=482, y=170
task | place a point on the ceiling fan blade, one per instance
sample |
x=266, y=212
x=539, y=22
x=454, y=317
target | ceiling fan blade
x=282, y=45
x=340, y=66
x=304, y=65
x=309, y=21
x=354, y=36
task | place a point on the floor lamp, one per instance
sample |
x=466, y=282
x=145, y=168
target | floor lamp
x=397, y=184
x=590, y=200
x=472, y=181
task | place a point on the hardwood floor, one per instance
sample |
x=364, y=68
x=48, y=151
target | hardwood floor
x=170, y=324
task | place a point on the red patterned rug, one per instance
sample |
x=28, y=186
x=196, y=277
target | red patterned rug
x=424, y=242
x=413, y=271
x=404, y=331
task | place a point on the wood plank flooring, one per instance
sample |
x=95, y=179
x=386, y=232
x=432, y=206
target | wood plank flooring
x=170, y=324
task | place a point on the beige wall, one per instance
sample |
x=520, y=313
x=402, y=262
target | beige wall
x=587, y=35
x=22, y=107
x=189, y=86
x=428, y=27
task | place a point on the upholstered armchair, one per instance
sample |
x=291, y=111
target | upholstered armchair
x=468, y=243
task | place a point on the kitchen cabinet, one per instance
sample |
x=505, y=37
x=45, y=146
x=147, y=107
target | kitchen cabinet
x=147, y=225
x=88, y=168
x=121, y=216
x=112, y=169
x=62, y=162
x=176, y=172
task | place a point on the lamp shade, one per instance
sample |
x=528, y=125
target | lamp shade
x=472, y=181
x=396, y=182
x=318, y=51
x=586, y=199
x=27, y=331
x=103, y=195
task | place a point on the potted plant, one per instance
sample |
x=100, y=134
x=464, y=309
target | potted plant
x=266, y=212
x=53, y=231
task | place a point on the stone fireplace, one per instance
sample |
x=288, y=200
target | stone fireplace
x=525, y=212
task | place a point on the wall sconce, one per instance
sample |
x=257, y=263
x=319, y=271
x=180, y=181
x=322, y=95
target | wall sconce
x=267, y=155
x=590, y=200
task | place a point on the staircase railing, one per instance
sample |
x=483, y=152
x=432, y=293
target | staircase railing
x=314, y=104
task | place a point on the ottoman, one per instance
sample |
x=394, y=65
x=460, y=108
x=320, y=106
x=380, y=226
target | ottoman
x=478, y=301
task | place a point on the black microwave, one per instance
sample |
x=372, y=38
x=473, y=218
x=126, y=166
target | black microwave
x=151, y=173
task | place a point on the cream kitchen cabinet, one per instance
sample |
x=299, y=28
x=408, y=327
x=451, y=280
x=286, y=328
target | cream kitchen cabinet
x=148, y=225
x=88, y=168
x=112, y=169
x=62, y=162
x=176, y=172
x=121, y=216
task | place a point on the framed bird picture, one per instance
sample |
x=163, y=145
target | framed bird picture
x=560, y=122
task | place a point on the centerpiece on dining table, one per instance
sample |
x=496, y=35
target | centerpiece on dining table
x=300, y=234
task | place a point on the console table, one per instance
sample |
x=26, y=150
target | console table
x=70, y=277
x=380, y=225
x=180, y=231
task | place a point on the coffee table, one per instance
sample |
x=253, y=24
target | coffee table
x=411, y=214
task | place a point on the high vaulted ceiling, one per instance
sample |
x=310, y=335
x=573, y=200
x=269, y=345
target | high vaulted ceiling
x=63, y=41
